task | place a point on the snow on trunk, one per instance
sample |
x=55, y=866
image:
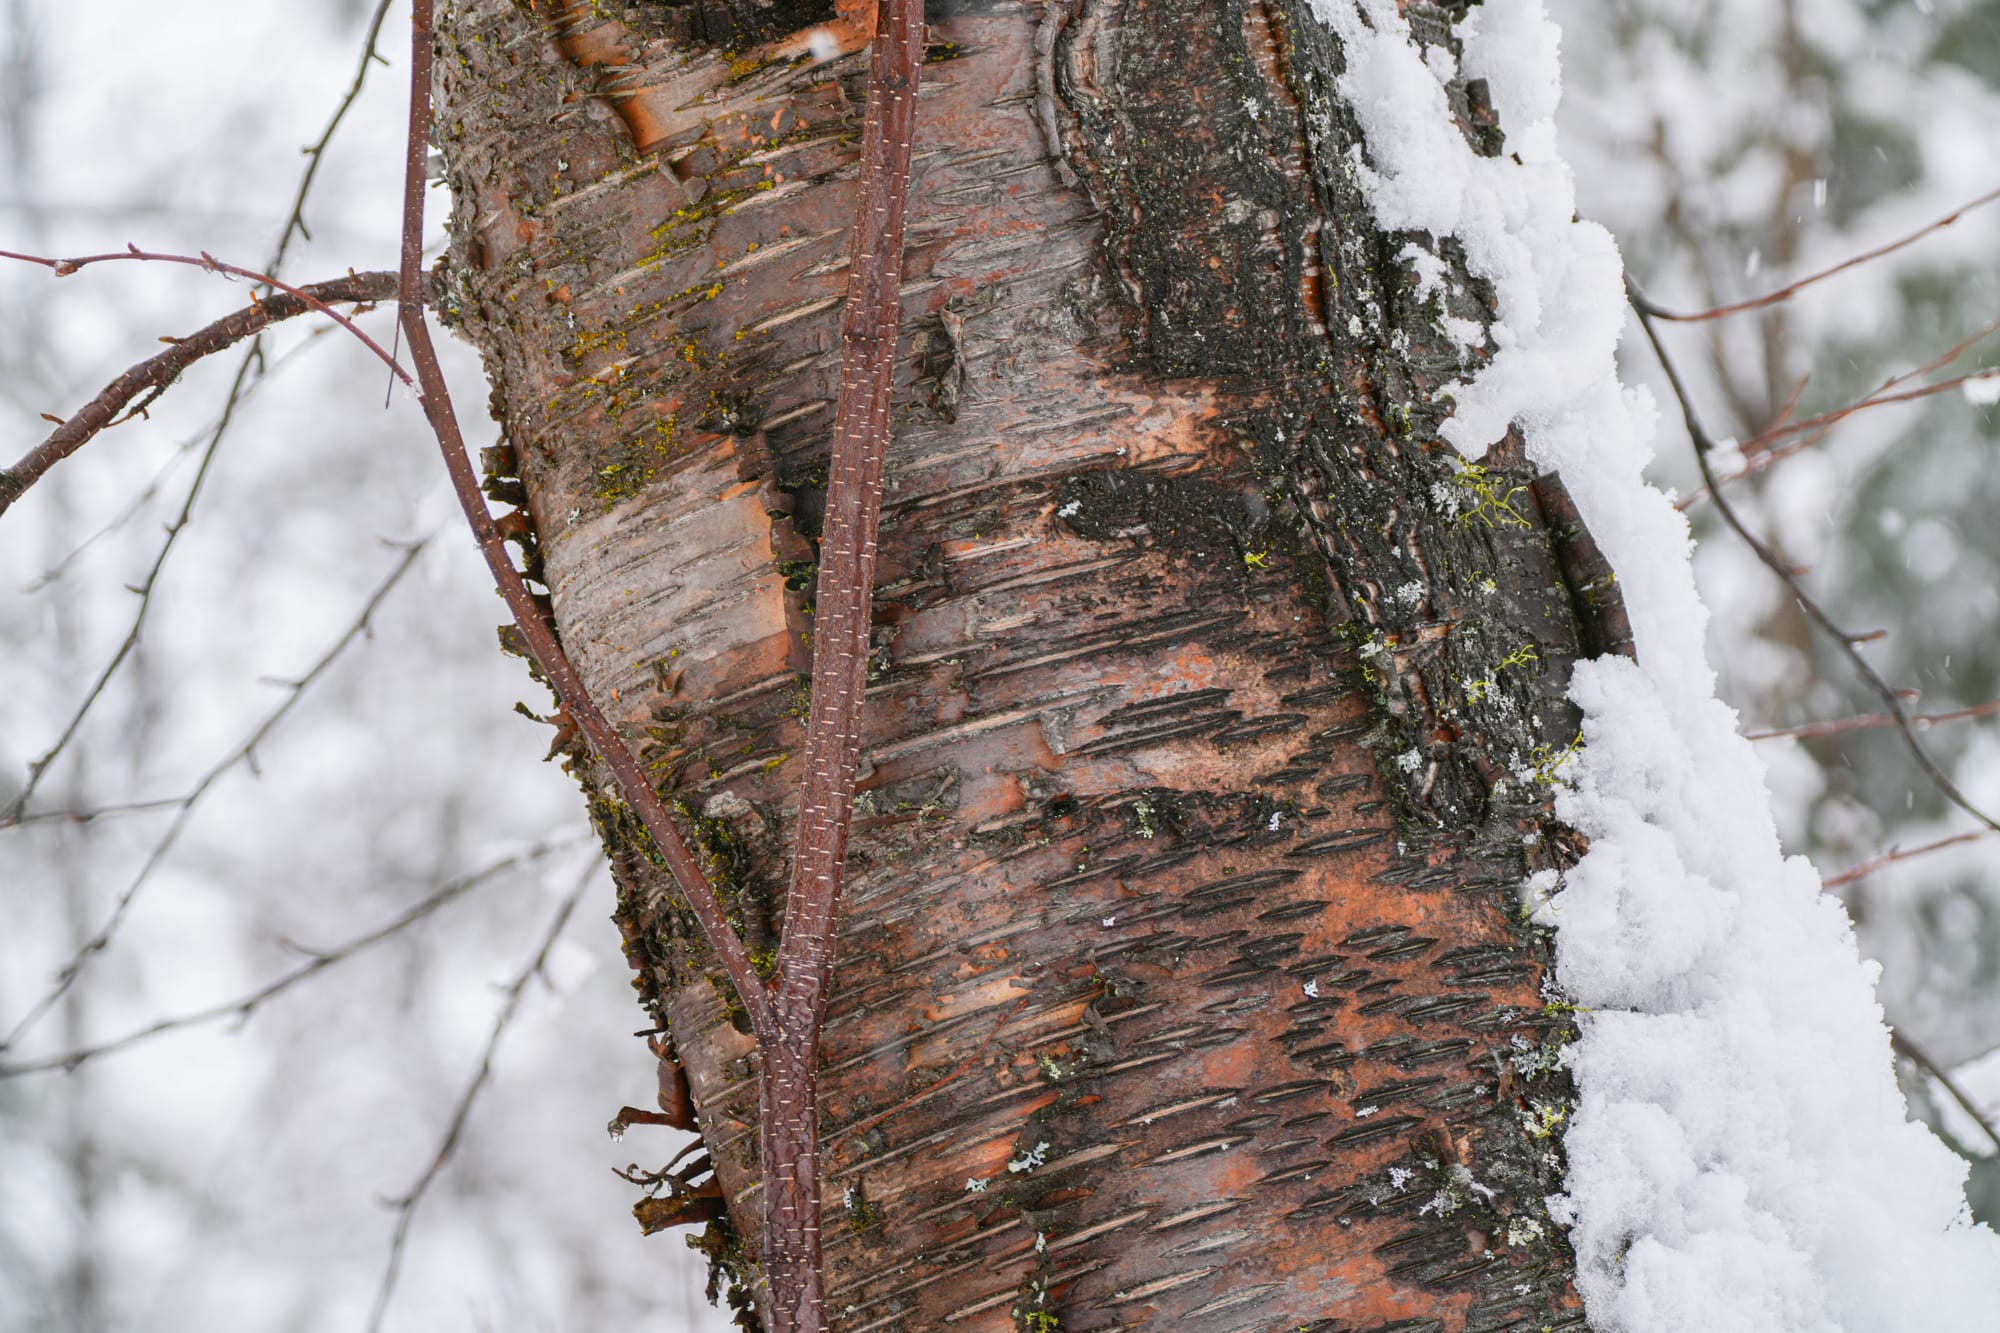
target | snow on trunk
x=1740, y=1158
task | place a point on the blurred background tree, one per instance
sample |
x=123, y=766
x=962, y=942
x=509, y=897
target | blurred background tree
x=231, y=1175
x=217, y=1178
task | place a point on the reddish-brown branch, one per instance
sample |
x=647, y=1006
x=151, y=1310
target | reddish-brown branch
x=1840, y=725
x=1892, y=700
x=844, y=601
x=244, y=753
x=1812, y=430
x=208, y=263
x=844, y=597
x=1786, y=293
x=529, y=615
x=1895, y=854
x=152, y=376
x=1915, y=1054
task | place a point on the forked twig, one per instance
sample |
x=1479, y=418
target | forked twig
x=242, y=1007
x=532, y=620
x=407, y=1203
x=152, y=376
x=244, y=753
x=1758, y=455
x=1892, y=701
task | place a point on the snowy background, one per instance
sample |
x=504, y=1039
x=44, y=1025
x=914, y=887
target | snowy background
x=1733, y=146
x=224, y=1177
x=217, y=1178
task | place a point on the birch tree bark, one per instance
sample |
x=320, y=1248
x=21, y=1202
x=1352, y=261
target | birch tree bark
x=1181, y=980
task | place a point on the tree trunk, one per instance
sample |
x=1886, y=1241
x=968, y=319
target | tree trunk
x=1181, y=980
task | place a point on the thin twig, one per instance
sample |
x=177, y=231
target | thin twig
x=242, y=1007
x=1786, y=293
x=1759, y=456
x=1892, y=702
x=1841, y=725
x=1937, y=1071
x=153, y=375
x=253, y=359
x=1895, y=854
x=252, y=356
x=244, y=753
x=529, y=615
x=295, y=221
x=208, y=263
x=407, y=1203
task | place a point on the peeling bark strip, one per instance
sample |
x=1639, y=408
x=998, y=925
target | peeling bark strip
x=1179, y=980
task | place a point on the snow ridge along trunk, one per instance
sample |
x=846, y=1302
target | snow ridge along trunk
x=1180, y=980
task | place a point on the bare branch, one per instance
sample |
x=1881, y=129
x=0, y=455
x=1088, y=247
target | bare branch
x=243, y=753
x=253, y=358
x=1841, y=725
x=1916, y=1056
x=844, y=598
x=153, y=375
x=295, y=221
x=530, y=615
x=406, y=1204
x=208, y=263
x=1786, y=293
x=1892, y=700
x=1895, y=854
x=1759, y=456
x=242, y=1007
